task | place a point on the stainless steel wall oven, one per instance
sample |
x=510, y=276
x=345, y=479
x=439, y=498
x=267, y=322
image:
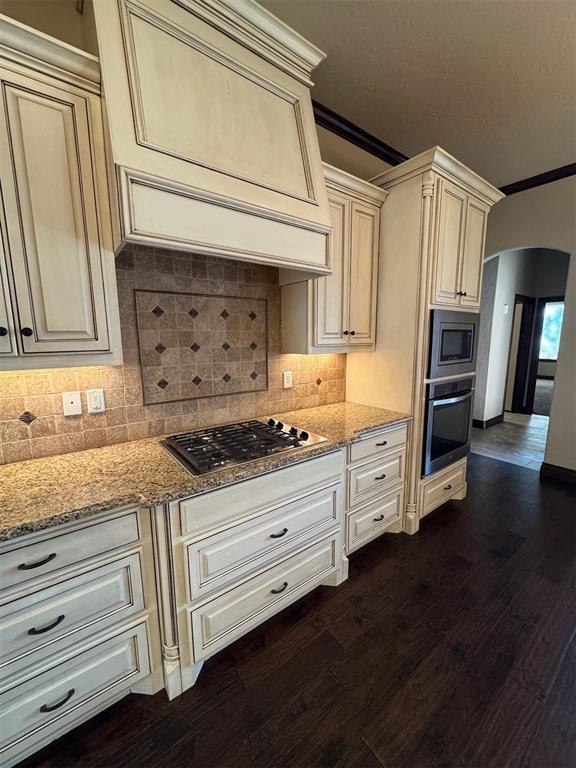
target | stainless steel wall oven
x=447, y=424
x=453, y=342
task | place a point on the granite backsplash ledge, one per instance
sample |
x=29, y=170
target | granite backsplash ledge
x=32, y=424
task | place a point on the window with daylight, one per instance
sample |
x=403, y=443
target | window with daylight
x=551, y=327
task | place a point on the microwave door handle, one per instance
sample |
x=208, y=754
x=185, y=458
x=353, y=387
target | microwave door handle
x=452, y=400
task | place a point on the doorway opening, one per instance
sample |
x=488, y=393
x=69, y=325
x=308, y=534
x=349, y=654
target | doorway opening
x=522, y=312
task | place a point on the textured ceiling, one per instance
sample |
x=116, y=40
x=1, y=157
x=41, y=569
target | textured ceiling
x=491, y=81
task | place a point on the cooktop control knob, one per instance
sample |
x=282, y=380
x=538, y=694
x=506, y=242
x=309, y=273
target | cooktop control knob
x=304, y=435
x=279, y=425
x=293, y=431
x=271, y=422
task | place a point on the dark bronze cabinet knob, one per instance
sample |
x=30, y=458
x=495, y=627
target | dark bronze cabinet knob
x=352, y=333
x=3, y=331
x=27, y=331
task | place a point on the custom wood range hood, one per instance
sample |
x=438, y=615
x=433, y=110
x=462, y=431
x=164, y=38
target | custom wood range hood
x=211, y=131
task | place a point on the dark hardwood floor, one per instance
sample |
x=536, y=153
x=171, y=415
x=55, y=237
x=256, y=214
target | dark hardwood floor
x=454, y=648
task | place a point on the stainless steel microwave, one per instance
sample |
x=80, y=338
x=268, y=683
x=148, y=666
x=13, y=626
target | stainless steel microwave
x=453, y=343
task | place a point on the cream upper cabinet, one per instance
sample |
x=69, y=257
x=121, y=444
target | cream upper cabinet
x=338, y=313
x=330, y=293
x=459, y=246
x=7, y=345
x=473, y=253
x=57, y=226
x=212, y=132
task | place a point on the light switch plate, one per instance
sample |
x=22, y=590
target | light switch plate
x=96, y=401
x=287, y=379
x=72, y=403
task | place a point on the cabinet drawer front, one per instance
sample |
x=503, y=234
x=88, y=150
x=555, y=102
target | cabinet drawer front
x=444, y=486
x=49, y=697
x=371, y=521
x=227, y=555
x=101, y=596
x=242, y=500
x=50, y=554
x=368, y=480
x=231, y=615
x=378, y=443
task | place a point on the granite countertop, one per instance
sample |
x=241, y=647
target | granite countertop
x=42, y=493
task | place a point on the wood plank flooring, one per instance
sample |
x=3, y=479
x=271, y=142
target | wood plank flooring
x=454, y=648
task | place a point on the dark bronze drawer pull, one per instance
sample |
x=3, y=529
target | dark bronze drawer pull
x=3, y=331
x=382, y=444
x=278, y=591
x=52, y=707
x=378, y=519
x=448, y=487
x=29, y=566
x=380, y=477
x=283, y=532
x=48, y=627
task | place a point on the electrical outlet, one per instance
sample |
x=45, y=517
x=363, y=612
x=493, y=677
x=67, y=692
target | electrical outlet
x=287, y=379
x=96, y=402
x=72, y=403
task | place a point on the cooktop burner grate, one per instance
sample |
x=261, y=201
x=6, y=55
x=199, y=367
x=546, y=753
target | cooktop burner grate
x=208, y=450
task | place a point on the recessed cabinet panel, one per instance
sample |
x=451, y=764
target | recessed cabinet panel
x=48, y=180
x=451, y=215
x=331, y=293
x=195, y=118
x=472, y=262
x=363, y=271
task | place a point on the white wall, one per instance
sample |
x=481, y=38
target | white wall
x=57, y=18
x=546, y=216
x=349, y=157
x=561, y=445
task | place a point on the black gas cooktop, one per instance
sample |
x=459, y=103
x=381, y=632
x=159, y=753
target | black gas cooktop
x=208, y=450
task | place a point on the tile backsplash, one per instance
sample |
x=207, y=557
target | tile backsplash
x=32, y=423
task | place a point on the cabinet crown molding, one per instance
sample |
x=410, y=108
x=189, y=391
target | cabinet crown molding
x=247, y=22
x=344, y=182
x=438, y=160
x=29, y=47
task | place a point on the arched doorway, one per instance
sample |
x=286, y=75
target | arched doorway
x=522, y=309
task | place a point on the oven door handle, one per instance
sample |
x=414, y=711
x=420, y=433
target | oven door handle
x=452, y=400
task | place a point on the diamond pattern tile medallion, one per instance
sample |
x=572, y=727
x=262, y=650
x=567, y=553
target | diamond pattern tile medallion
x=217, y=354
x=318, y=381
x=27, y=417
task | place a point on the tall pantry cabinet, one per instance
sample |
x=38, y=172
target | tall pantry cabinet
x=431, y=253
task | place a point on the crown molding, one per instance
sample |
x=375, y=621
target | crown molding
x=346, y=183
x=348, y=130
x=438, y=160
x=31, y=48
x=254, y=27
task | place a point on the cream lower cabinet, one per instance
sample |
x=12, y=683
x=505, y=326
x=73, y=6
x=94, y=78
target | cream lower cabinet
x=237, y=555
x=338, y=313
x=78, y=626
x=58, y=288
x=212, y=133
x=375, y=477
x=459, y=247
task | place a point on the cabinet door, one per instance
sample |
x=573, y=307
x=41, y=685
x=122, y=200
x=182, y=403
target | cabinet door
x=47, y=169
x=451, y=214
x=7, y=345
x=331, y=293
x=473, y=253
x=364, y=224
